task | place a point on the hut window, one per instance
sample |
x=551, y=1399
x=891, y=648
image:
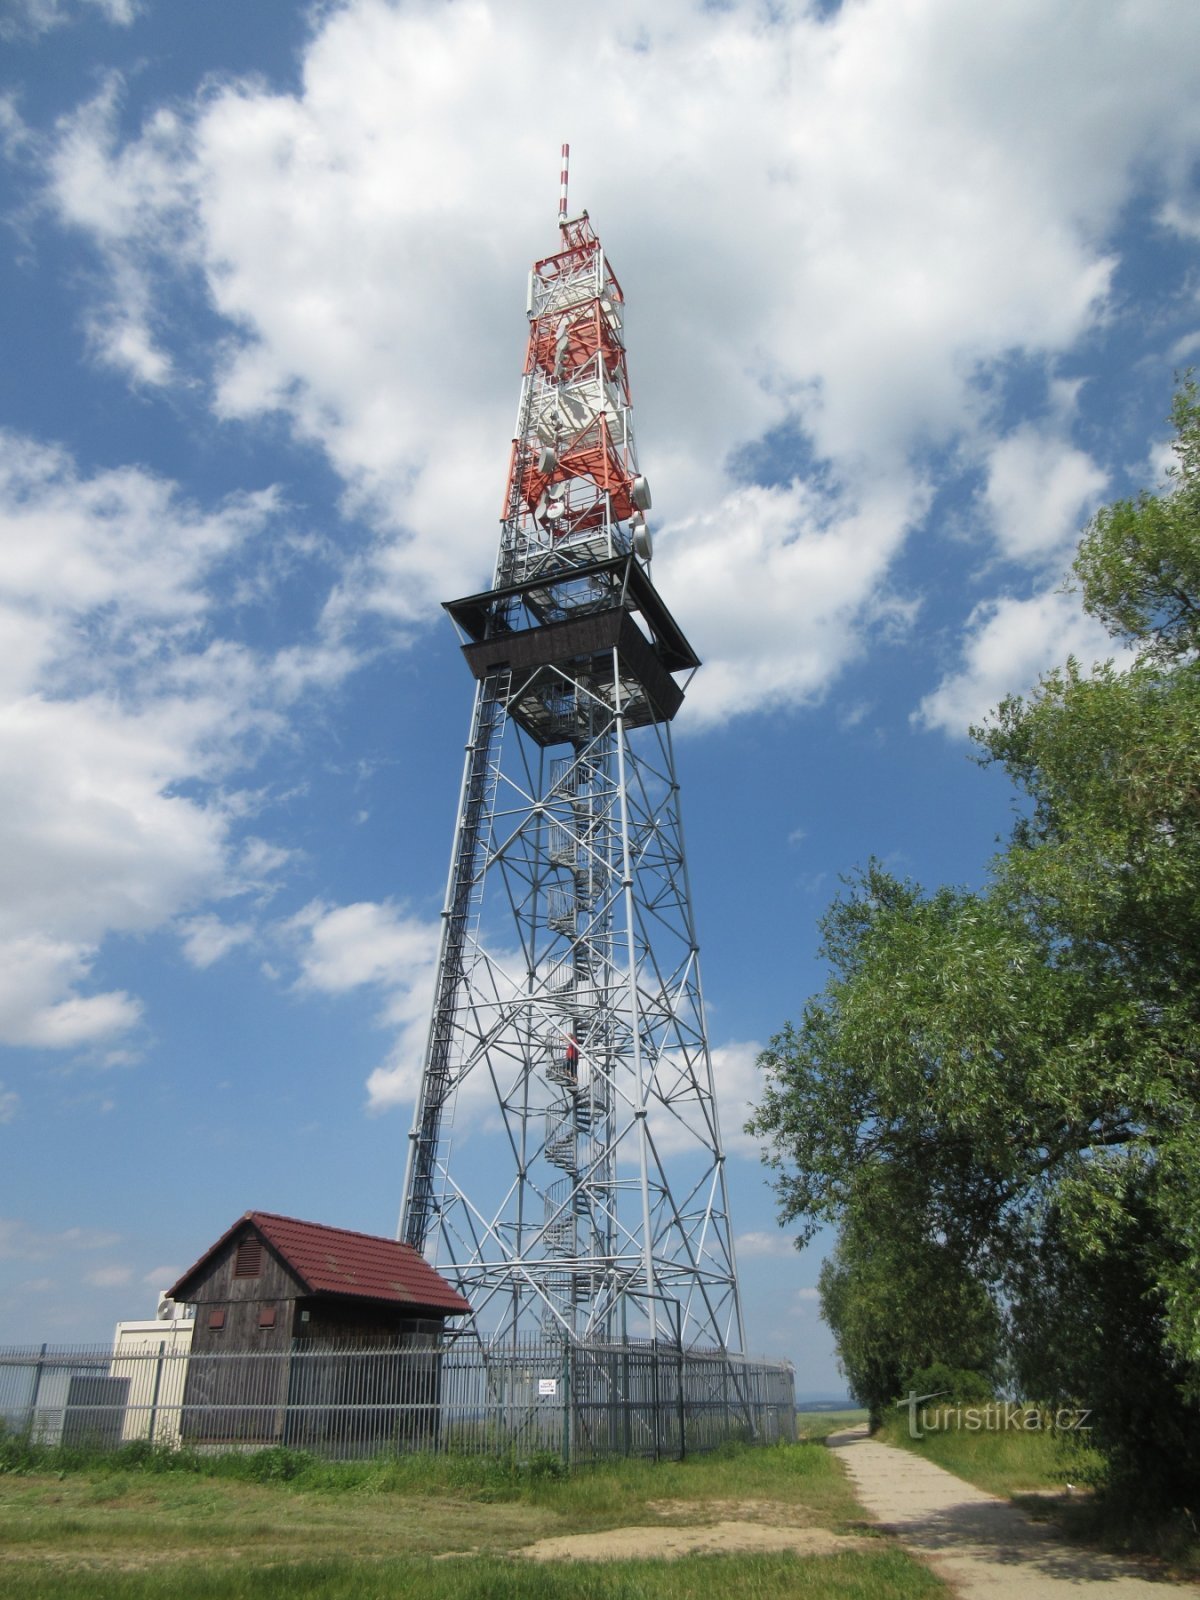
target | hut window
x=216, y=1318
x=248, y=1261
x=266, y=1316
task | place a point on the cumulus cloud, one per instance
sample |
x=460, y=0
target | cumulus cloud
x=33, y=17
x=1040, y=491
x=102, y=591
x=1009, y=643
x=123, y=714
x=736, y=1085
x=775, y=1245
x=776, y=585
x=10, y=1100
x=347, y=946
x=98, y=560
x=375, y=946
x=206, y=938
x=363, y=242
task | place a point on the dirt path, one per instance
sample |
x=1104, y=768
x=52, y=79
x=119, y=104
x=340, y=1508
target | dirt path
x=702, y=1527
x=984, y=1547
x=668, y=1544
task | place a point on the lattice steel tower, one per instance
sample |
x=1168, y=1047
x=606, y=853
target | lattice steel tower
x=568, y=1012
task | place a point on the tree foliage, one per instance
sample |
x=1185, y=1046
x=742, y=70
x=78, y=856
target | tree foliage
x=1000, y=1091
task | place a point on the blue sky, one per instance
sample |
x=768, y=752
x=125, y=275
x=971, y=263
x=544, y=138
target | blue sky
x=907, y=285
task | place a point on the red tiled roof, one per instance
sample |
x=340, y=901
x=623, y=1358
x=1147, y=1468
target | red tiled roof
x=339, y=1261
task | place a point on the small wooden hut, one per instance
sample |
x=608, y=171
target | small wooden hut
x=314, y=1336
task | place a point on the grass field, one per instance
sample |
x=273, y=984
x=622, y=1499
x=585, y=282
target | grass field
x=108, y=1529
x=1003, y=1463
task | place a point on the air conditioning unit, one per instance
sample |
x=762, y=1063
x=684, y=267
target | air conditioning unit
x=169, y=1310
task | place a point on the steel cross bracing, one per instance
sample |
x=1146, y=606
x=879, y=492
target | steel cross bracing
x=588, y=1196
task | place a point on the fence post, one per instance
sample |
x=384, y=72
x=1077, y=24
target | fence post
x=682, y=1410
x=566, y=1404
x=162, y=1345
x=655, y=1369
x=37, y=1389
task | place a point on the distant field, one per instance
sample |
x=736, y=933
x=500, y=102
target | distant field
x=820, y=1424
x=770, y=1523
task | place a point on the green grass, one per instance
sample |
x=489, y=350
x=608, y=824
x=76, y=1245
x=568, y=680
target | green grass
x=136, y=1527
x=873, y=1576
x=1002, y=1462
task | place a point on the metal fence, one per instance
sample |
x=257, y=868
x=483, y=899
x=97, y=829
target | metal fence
x=580, y=1402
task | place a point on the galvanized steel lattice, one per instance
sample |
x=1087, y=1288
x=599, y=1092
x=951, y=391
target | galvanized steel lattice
x=568, y=1012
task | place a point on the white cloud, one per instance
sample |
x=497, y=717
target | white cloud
x=206, y=938
x=161, y=1277
x=364, y=242
x=119, y=12
x=113, y=1277
x=1182, y=215
x=342, y=948
x=1040, y=491
x=36, y=1009
x=348, y=946
x=777, y=586
x=118, y=548
x=775, y=1245
x=1009, y=644
x=737, y=1086
x=9, y=1102
x=41, y=16
x=369, y=945
x=805, y=1304
x=122, y=716
x=21, y=1242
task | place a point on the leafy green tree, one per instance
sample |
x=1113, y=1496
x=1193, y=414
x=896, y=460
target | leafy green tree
x=901, y=1299
x=1139, y=563
x=1089, y=1325
x=1106, y=863
x=1009, y=1081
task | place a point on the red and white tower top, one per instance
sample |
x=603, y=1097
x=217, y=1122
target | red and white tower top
x=574, y=489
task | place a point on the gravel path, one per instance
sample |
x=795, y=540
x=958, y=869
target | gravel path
x=984, y=1547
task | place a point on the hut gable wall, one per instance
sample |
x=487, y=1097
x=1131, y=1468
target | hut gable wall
x=217, y=1286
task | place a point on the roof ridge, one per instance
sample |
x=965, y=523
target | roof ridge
x=324, y=1259
x=329, y=1227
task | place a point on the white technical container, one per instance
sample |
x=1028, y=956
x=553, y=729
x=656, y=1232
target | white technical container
x=154, y=1355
